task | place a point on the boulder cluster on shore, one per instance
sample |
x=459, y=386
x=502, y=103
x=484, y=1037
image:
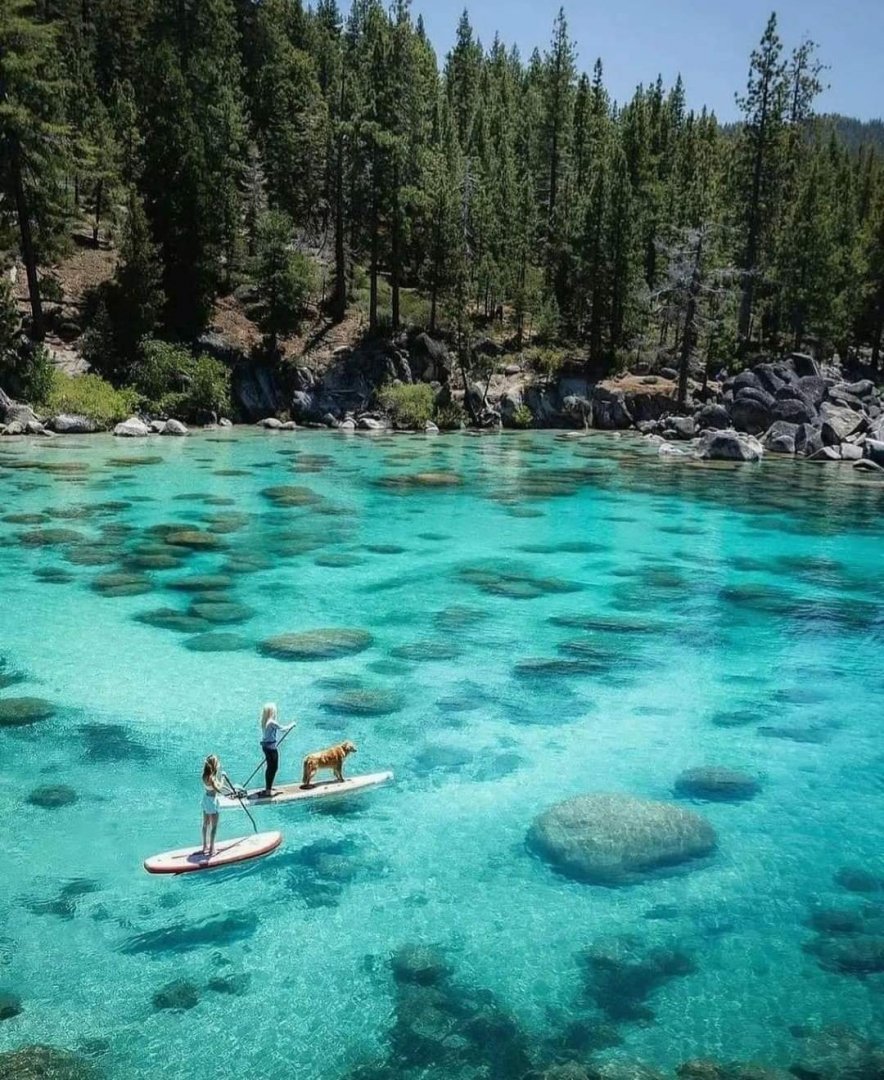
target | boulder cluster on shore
x=787, y=406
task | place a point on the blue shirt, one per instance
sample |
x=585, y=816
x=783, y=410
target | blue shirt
x=270, y=736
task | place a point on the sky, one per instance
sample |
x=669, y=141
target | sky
x=707, y=41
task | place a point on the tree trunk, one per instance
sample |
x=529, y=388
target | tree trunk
x=395, y=241
x=747, y=296
x=38, y=328
x=340, y=296
x=878, y=337
x=99, y=197
x=373, y=269
x=689, y=335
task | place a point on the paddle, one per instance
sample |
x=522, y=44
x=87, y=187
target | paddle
x=260, y=764
x=234, y=791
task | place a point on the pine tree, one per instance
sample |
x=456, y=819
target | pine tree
x=32, y=135
x=192, y=153
x=558, y=109
x=760, y=166
x=290, y=114
x=874, y=278
x=283, y=277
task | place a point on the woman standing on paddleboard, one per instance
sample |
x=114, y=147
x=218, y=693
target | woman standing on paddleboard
x=213, y=786
x=272, y=733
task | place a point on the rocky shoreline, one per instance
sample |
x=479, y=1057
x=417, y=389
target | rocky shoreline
x=790, y=406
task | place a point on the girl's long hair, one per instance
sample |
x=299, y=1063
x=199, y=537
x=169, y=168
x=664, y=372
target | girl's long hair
x=210, y=767
x=268, y=713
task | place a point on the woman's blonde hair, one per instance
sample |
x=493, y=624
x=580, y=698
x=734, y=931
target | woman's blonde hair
x=210, y=766
x=268, y=713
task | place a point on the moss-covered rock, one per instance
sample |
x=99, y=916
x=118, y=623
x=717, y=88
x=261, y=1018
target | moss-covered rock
x=51, y=537
x=22, y=711
x=45, y=1063
x=421, y=965
x=179, y=994
x=427, y=650
x=716, y=783
x=323, y=644
x=364, y=702
x=618, y=839
x=172, y=619
x=194, y=540
x=221, y=612
x=217, y=642
x=53, y=796
x=10, y=1005
x=124, y=583
x=291, y=495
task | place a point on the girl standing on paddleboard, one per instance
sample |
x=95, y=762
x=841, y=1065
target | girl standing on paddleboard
x=272, y=733
x=213, y=786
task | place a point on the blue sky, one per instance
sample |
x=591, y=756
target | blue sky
x=708, y=41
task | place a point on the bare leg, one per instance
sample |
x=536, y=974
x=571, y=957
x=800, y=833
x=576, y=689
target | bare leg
x=213, y=828
x=205, y=832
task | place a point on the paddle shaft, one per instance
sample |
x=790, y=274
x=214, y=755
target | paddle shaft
x=260, y=764
x=238, y=798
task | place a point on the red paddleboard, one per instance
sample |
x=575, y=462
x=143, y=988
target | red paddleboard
x=227, y=852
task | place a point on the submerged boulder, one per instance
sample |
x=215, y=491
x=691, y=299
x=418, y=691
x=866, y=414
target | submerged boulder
x=620, y=973
x=729, y=446
x=10, y=1005
x=838, y=1053
x=179, y=994
x=716, y=783
x=324, y=644
x=421, y=965
x=37, y=1062
x=618, y=839
x=52, y=796
x=22, y=711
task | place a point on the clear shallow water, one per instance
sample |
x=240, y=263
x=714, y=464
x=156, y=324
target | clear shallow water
x=762, y=591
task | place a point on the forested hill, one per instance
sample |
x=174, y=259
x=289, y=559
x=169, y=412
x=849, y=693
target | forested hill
x=857, y=134
x=314, y=155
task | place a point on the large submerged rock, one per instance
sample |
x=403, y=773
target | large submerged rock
x=618, y=839
x=715, y=782
x=37, y=1062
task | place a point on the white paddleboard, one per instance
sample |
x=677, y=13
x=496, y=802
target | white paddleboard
x=289, y=793
x=227, y=852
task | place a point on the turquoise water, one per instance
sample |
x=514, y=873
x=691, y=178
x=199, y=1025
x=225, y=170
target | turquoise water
x=754, y=598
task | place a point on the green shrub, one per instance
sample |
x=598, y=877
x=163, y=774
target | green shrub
x=162, y=369
x=450, y=417
x=171, y=381
x=36, y=374
x=522, y=417
x=546, y=362
x=92, y=396
x=408, y=405
x=209, y=387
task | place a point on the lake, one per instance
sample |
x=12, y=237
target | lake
x=540, y=617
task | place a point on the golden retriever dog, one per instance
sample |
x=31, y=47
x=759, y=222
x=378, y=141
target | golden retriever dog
x=332, y=758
